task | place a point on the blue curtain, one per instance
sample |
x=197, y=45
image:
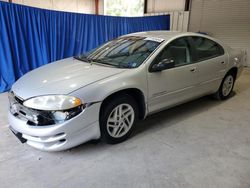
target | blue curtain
x=31, y=37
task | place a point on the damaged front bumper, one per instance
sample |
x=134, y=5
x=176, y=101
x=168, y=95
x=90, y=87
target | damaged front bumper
x=56, y=135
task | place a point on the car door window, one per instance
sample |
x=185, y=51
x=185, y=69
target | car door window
x=177, y=51
x=206, y=48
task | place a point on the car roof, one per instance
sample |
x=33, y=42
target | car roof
x=159, y=34
x=166, y=35
x=171, y=35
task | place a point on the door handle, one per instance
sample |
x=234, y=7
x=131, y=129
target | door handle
x=223, y=62
x=193, y=69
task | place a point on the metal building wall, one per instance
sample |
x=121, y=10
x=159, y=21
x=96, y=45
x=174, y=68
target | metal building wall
x=227, y=20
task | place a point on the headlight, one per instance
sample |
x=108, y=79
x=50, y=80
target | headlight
x=52, y=109
x=53, y=102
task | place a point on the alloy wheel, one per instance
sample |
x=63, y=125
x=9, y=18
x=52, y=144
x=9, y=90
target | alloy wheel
x=227, y=85
x=120, y=120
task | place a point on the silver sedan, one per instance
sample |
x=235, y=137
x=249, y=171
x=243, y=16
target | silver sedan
x=102, y=94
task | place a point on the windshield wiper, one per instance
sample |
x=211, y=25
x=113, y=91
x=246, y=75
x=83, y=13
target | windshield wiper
x=99, y=61
x=103, y=61
x=82, y=58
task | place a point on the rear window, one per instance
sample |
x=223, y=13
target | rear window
x=206, y=48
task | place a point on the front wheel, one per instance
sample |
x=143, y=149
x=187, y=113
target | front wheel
x=117, y=119
x=226, y=87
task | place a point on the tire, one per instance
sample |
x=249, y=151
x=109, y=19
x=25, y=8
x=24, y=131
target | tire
x=226, y=87
x=117, y=118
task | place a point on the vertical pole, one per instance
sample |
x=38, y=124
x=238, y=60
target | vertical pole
x=96, y=7
x=145, y=6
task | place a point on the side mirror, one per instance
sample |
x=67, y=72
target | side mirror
x=162, y=65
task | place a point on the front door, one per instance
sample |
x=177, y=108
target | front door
x=176, y=84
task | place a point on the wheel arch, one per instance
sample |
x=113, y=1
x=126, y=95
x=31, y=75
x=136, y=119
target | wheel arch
x=137, y=94
x=234, y=71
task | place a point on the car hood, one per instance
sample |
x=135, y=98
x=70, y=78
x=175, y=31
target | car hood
x=61, y=77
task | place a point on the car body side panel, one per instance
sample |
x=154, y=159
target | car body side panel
x=236, y=59
x=134, y=78
x=211, y=72
x=171, y=86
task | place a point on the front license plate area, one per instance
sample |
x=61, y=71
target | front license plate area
x=19, y=136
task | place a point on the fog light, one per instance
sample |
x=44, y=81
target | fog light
x=35, y=119
x=60, y=116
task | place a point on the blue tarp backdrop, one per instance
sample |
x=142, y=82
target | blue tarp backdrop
x=31, y=37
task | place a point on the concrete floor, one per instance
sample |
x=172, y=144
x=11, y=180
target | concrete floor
x=204, y=143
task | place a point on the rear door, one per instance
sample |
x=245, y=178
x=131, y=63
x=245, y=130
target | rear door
x=212, y=62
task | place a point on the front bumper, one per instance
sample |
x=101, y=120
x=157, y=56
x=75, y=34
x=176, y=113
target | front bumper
x=80, y=129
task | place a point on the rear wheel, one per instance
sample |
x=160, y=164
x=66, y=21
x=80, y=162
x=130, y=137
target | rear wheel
x=117, y=119
x=226, y=87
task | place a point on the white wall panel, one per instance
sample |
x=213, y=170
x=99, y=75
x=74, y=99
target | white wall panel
x=46, y=4
x=81, y=6
x=185, y=20
x=228, y=20
x=86, y=6
x=155, y=6
x=65, y=5
x=18, y=1
x=175, y=21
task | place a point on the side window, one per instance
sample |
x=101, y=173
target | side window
x=206, y=48
x=177, y=51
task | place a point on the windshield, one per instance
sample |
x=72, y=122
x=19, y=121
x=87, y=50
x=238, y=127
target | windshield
x=125, y=52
